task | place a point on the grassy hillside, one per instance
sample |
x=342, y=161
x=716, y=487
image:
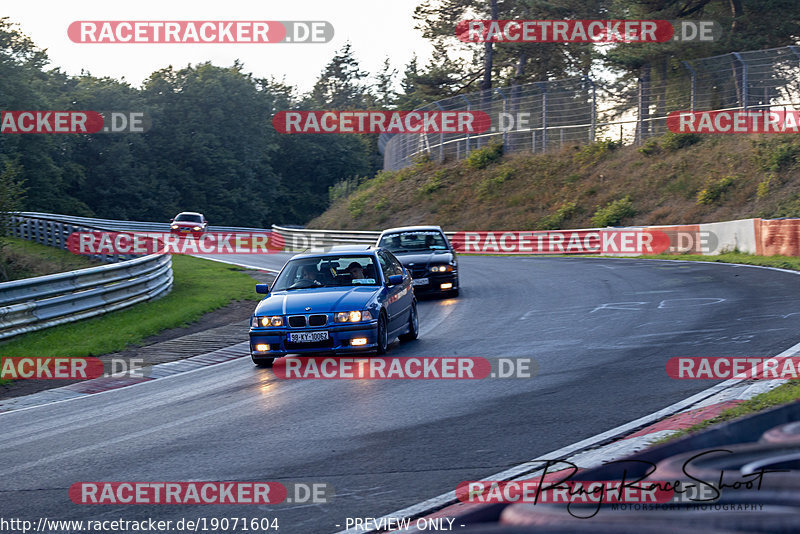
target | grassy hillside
x=672, y=179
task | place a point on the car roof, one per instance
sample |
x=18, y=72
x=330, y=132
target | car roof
x=411, y=229
x=338, y=250
x=190, y=213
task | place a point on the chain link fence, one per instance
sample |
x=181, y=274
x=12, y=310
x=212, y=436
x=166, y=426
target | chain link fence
x=548, y=115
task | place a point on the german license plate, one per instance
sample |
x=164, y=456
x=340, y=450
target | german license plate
x=420, y=281
x=307, y=337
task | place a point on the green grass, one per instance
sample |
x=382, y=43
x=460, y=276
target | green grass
x=783, y=394
x=26, y=259
x=200, y=286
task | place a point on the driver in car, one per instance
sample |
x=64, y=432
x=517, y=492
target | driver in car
x=356, y=271
x=308, y=272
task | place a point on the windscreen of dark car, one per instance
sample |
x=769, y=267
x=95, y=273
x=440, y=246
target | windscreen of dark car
x=413, y=241
x=327, y=271
x=184, y=217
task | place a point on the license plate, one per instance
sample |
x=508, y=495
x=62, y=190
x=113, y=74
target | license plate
x=307, y=337
x=420, y=282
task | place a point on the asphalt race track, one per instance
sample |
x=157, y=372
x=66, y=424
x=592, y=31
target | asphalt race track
x=600, y=329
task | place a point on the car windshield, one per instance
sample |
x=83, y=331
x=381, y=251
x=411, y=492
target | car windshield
x=185, y=217
x=413, y=241
x=327, y=271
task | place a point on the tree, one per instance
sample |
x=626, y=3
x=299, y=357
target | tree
x=12, y=193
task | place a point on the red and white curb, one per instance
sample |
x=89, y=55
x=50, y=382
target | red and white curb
x=613, y=444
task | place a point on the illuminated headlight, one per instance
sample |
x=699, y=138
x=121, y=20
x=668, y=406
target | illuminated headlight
x=174, y=226
x=262, y=347
x=441, y=268
x=275, y=320
x=196, y=228
x=353, y=316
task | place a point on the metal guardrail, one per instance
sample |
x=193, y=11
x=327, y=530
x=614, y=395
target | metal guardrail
x=301, y=238
x=36, y=303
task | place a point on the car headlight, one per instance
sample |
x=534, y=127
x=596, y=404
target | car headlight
x=353, y=316
x=275, y=320
x=196, y=228
x=174, y=226
x=441, y=268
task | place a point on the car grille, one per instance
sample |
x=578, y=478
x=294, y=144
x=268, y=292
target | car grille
x=317, y=320
x=419, y=272
x=297, y=321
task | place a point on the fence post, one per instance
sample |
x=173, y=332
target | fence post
x=543, y=86
x=469, y=108
x=505, y=111
x=441, y=136
x=693, y=74
x=594, y=109
x=745, y=95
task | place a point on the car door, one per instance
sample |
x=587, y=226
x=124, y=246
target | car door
x=395, y=304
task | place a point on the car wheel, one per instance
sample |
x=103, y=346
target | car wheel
x=262, y=362
x=413, y=325
x=383, y=335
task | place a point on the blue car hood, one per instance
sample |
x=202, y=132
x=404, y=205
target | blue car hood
x=320, y=300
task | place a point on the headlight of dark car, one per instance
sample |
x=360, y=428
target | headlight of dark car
x=441, y=268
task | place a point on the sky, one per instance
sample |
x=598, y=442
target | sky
x=376, y=29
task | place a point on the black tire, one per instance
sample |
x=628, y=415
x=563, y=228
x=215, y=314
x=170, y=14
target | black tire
x=383, y=335
x=262, y=362
x=413, y=325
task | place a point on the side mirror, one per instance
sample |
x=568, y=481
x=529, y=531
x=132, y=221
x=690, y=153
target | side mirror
x=262, y=289
x=395, y=280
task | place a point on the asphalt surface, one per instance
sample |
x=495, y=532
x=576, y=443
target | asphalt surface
x=601, y=331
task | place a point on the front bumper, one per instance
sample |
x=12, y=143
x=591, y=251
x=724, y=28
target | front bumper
x=435, y=281
x=339, y=336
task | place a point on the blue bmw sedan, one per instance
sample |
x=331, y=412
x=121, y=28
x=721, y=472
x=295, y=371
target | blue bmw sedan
x=352, y=298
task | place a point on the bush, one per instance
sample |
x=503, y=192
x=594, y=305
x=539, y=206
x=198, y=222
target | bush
x=594, y=152
x=774, y=157
x=555, y=220
x=343, y=188
x=489, y=186
x=613, y=212
x=713, y=190
x=433, y=183
x=650, y=147
x=357, y=203
x=763, y=187
x=674, y=141
x=480, y=158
